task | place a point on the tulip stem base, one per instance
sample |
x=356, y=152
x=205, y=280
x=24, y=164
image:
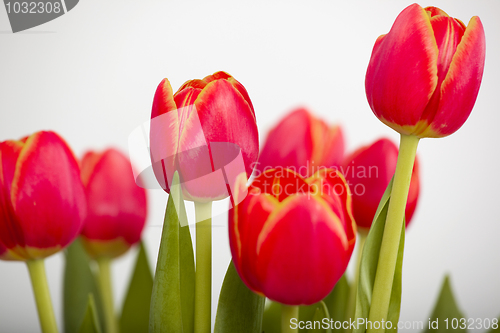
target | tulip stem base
x=351, y=305
x=287, y=313
x=203, y=274
x=106, y=289
x=41, y=291
x=386, y=266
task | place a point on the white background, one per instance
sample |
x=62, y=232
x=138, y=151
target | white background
x=91, y=74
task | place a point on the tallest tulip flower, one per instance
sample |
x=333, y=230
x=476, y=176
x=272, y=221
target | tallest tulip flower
x=206, y=132
x=422, y=81
x=424, y=75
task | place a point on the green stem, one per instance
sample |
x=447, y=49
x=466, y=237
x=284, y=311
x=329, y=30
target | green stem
x=386, y=266
x=351, y=304
x=38, y=278
x=104, y=279
x=287, y=313
x=203, y=274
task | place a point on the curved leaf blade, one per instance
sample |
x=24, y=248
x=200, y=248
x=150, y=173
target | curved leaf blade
x=135, y=312
x=239, y=309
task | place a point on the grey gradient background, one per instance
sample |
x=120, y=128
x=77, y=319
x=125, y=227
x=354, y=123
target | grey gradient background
x=91, y=74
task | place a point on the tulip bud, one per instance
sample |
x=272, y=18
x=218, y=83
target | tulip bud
x=302, y=143
x=207, y=132
x=291, y=238
x=424, y=75
x=42, y=199
x=116, y=205
x=368, y=171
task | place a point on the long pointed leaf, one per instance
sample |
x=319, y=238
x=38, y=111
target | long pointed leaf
x=446, y=308
x=320, y=314
x=135, y=312
x=79, y=282
x=90, y=323
x=172, y=301
x=240, y=309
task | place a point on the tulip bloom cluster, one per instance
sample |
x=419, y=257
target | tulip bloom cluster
x=291, y=238
x=424, y=75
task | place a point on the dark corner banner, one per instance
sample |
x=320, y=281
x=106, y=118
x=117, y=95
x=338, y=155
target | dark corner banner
x=28, y=14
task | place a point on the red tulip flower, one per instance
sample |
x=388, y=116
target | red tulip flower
x=117, y=207
x=303, y=143
x=424, y=75
x=42, y=199
x=368, y=171
x=291, y=238
x=207, y=132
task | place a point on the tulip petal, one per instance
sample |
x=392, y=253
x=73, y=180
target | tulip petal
x=290, y=151
x=47, y=194
x=460, y=87
x=301, y=230
x=245, y=222
x=163, y=100
x=280, y=183
x=116, y=205
x=434, y=11
x=226, y=117
x=11, y=233
x=335, y=191
x=402, y=73
x=334, y=146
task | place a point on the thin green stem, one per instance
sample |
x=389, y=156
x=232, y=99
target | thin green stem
x=106, y=288
x=203, y=274
x=41, y=291
x=351, y=304
x=386, y=266
x=287, y=313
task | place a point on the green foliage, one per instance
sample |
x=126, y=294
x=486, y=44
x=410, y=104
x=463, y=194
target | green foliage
x=172, y=301
x=368, y=267
x=240, y=309
x=79, y=282
x=90, y=323
x=445, y=310
x=135, y=312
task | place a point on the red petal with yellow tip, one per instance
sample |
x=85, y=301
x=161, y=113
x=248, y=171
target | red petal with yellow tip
x=163, y=101
x=226, y=117
x=402, y=73
x=307, y=232
x=280, y=183
x=11, y=233
x=289, y=151
x=460, y=87
x=47, y=193
x=434, y=11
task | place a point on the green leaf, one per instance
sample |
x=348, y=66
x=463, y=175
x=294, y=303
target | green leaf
x=172, y=301
x=446, y=308
x=271, y=321
x=135, y=312
x=239, y=309
x=368, y=267
x=90, y=323
x=336, y=301
x=320, y=313
x=78, y=283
